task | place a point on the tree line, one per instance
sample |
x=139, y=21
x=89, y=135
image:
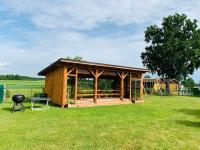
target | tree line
x=18, y=77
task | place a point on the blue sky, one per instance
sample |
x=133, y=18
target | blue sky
x=34, y=33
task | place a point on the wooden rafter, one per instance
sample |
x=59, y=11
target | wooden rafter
x=138, y=75
x=119, y=74
x=92, y=72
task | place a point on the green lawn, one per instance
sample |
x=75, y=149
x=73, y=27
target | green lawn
x=170, y=122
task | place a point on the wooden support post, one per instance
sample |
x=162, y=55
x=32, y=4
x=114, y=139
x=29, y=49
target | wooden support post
x=96, y=75
x=130, y=86
x=95, y=85
x=122, y=75
x=64, y=87
x=141, y=86
x=122, y=89
x=76, y=84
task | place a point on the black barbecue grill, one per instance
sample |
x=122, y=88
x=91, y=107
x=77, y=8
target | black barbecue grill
x=18, y=101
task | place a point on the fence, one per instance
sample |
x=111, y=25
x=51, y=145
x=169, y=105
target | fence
x=2, y=93
x=26, y=90
x=181, y=92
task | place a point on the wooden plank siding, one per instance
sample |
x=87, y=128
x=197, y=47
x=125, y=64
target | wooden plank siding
x=55, y=85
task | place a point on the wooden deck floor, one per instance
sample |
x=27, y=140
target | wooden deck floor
x=88, y=102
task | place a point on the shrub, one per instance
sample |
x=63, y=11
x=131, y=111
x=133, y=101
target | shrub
x=36, y=94
x=7, y=94
x=149, y=90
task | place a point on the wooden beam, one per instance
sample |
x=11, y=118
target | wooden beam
x=100, y=73
x=119, y=74
x=95, y=85
x=96, y=75
x=92, y=72
x=122, y=89
x=122, y=76
x=135, y=88
x=130, y=86
x=71, y=70
x=64, y=87
x=138, y=76
x=76, y=84
x=71, y=75
x=141, y=86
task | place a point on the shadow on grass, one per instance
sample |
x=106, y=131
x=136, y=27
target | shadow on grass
x=194, y=112
x=17, y=109
x=188, y=123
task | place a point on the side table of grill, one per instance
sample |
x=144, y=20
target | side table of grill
x=39, y=99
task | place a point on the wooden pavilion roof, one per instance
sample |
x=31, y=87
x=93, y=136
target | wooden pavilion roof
x=87, y=64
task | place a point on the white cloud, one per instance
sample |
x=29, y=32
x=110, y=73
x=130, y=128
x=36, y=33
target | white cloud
x=62, y=25
x=87, y=14
x=4, y=64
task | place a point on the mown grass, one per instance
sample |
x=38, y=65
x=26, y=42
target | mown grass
x=22, y=83
x=170, y=122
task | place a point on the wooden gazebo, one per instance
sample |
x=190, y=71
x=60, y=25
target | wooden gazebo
x=127, y=81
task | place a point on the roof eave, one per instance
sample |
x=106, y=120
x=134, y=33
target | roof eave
x=62, y=60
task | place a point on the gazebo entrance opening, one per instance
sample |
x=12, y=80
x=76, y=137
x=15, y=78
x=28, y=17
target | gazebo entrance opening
x=91, y=85
x=136, y=89
x=108, y=87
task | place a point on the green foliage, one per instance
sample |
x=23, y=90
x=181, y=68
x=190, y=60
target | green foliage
x=189, y=83
x=36, y=94
x=173, y=50
x=7, y=94
x=147, y=76
x=149, y=90
x=76, y=58
x=105, y=84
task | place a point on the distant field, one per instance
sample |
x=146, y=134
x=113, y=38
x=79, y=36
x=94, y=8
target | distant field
x=27, y=88
x=22, y=84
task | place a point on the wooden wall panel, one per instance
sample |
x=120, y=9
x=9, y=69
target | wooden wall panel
x=55, y=85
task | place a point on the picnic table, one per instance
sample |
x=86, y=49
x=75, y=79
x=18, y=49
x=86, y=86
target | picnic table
x=39, y=99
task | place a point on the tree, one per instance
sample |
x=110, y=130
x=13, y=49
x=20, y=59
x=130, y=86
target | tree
x=147, y=76
x=76, y=58
x=173, y=50
x=189, y=83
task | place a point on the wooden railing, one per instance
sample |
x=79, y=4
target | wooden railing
x=100, y=93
